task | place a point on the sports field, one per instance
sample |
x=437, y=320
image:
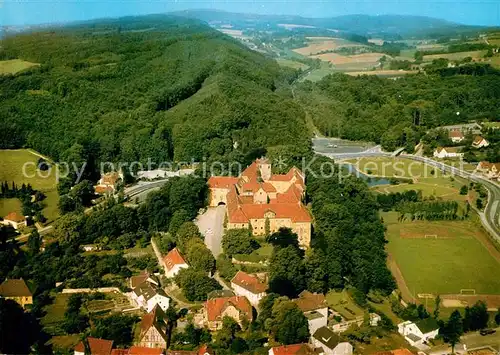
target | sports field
x=443, y=257
x=13, y=66
x=11, y=169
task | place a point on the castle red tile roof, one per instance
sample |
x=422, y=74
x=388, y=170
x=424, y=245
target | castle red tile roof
x=173, y=258
x=218, y=182
x=99, y=189
x=249, y=282
x=292, y=195
x=97, y=346
x=243, y=213
x=15, y=217
x=216, y=306
x=110, y=178
x=294, y=349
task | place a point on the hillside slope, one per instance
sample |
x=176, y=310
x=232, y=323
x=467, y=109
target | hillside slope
x=156, y=87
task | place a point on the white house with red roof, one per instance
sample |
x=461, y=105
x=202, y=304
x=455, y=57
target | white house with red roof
x=456, y=136
x=480, y=142
x=236, y=307
x=173, y=263
x=15, y=220
x=264, y=200
x=107, y=183
x=250, y=286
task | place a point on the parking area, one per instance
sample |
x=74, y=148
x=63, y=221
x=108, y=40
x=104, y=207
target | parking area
x=211, y=225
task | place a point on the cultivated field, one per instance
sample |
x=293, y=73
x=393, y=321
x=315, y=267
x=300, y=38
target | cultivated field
x=320, y=44
x=442, y=257
x=367, y=59
x=455, y=56
x=11, y=169
x=14, y=65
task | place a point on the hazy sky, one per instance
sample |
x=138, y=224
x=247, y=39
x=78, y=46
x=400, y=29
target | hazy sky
x=475, y=12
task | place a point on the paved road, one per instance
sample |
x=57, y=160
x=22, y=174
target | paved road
x=490, y=218
x=143, y=187
x=211, y=225
x=472, y=341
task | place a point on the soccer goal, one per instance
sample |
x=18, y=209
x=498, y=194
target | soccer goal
x=431, y=236
x=425, y=295
x=468, y=291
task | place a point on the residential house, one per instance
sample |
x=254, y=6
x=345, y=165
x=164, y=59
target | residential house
x=473, y=127
x=174, y=262
x=293, y=349
x=91, y=247
x=250, y=286
x=483, y=167
x=16, y=290
x=96, y=346
x=330, y=343
x=147, y=296
x=315, y=309
x=153, y=330
x=107, y=183
x=143, y=277
x=138, y=350
x=456, y=136
x=480, y=142
x=418, y=333
x=264, y=200
x=236, y=307
x=490, y=170
x=447, y=152
x=205, y=350
x=15, y=220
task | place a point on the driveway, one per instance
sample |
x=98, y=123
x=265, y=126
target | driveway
x=211, y=225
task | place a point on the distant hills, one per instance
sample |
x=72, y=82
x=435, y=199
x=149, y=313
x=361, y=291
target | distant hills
x=366, y=25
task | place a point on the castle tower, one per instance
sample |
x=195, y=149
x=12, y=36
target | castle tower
x=265, y=168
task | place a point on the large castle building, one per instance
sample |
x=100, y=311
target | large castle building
x=263, y=201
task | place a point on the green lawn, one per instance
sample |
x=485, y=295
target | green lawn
x=342, y=303
x=8, y=205
x=320, y=73
x=20, y=166
x=455, y=261
x=55, y=313
x=13, y=66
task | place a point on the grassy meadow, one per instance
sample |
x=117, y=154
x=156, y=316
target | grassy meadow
x=11, y=169
x=461, y=257
x=292, y=64
x=14, y=66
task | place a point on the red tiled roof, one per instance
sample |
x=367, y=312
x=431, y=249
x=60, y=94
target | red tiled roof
x=120, y=352
x=110, y=178
x=249, y=282
x=99, y=189
x=152, y=319
x=15, y=217
x=293, y=349
x=218, y=182
x=140, y=350
x=395, y=352
x=14, y=288
x=309, y=301
x=251, y=171
x=245, y=212
x=205, y=349
x=455, y=134
x=478, y=139
x=173, y=258
x=216, y=306
x=97, y=346
x=138, y=279
x=292, y=195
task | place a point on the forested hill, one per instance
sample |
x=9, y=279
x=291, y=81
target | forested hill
x=156, y=87
x=397, y=112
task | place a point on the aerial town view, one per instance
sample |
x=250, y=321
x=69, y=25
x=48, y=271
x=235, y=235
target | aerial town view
x=197, y=177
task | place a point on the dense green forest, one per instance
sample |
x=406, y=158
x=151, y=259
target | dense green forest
x=397, y=112
x=154, y=87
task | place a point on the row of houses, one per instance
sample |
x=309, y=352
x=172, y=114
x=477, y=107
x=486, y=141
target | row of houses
x=478, y=142
x=96, y=346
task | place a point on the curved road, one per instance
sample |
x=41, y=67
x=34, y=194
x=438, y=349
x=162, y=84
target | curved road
x=490, y=218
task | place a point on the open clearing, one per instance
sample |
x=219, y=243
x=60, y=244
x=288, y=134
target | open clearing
x=11, y=169
x=13, y=66
x=321, y=44
x=8, y=205
x=342, y=303
x=455, y=56
x=443, y=257
x=292, y=64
